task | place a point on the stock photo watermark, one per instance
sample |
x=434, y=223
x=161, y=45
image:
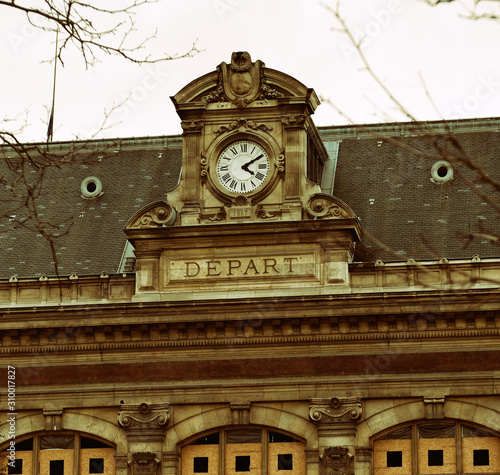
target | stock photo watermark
x=380, y=19
x=11, y=416
x=484, y=89
x=223, y=7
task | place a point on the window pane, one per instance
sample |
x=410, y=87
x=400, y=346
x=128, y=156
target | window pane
x=285, y=462
x=395, y=458
x=96, y=465
x=88, y=443
x=200, y=465
x=208, y=439
x=275, y=437
x=481, y=457
x=435, y=458
x=437, y=431
x=248, y=436
x=57, y=467
x=17, y=469
x=242, y=463
x=57, y=442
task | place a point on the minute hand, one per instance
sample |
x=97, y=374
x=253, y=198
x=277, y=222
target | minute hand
x=245, y=166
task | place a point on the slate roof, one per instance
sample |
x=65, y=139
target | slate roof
x=383, y=173
x=133, y=172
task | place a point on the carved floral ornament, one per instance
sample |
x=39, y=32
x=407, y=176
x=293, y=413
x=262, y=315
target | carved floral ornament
x=242, y=124
x=154, y=215
x=323, y=206
x=335, y=409
x=144, y=416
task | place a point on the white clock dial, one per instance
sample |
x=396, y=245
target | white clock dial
x=242, y=167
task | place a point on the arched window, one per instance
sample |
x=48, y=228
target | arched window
x=251, y=451
x=437, y=448
x=58, y=454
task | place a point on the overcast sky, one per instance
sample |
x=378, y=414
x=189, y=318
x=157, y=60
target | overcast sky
x=407, y=42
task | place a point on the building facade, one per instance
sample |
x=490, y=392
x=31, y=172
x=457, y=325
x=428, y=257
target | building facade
x=259, y=296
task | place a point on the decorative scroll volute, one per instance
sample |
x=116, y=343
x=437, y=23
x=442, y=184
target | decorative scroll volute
x=323, y=206
x=335, y=409
x=337, y=461
x=144, y=416
x=155, y=215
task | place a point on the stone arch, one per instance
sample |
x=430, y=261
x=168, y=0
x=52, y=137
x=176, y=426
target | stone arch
x=95, y=426
x=81, y=423
x=260, y=415
x=410, y=411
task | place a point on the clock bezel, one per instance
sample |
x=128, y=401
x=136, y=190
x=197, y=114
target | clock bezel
x=254, y=177
x=215, y=151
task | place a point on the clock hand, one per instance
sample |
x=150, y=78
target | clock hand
x=245, y=166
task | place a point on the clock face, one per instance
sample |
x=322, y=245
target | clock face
x=242, y=167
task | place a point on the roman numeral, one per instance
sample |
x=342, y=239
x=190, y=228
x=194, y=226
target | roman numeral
x=225, y=178
x=233, y=149
x=243, y=147
x=232, y=185
x=243, y=187
x=260, y=176
x=225, y=158
x=262, y=166
x=224, y=168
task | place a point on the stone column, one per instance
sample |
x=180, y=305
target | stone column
x=296, y=164
x=145, y=426
x=363, y=460
x=337, y=419
x=190, y=213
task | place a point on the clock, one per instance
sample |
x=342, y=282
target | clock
x=243, y=167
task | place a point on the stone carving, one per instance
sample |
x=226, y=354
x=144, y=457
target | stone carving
x=240, y=413
x=293, y=120
x=335, y=409
x=52, y=420
x=241, y=82
x=219, y=216
x=323, y=206
x=155, y=215
x=204, y=167
x=144, y=416
x=192, y=125
x=144, y=463
x=434, y=408
x=242, y=124
x=280, y=163
x=336, y=461
x=263, y=213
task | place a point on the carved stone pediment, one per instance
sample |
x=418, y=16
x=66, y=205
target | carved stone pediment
x=335, y=409
x=323, y=206
x=241, y=82
x=144, y=416
x=154, y=215
x=336, y=461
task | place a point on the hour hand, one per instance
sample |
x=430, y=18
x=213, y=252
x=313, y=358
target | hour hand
x=245, y=167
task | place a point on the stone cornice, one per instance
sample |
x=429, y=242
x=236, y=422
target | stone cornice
x=276, y=333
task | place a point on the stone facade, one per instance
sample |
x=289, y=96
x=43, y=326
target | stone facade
x=248, y=339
